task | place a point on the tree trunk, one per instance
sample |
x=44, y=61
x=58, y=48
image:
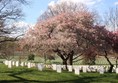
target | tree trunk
x=111, y=65
x=45, y=59
x=65, y=57
x=116, y=61
x=65, y=63
x=70, y=60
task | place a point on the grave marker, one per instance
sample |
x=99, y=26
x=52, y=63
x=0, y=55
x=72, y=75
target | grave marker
x=58, y=68
x=9, y=64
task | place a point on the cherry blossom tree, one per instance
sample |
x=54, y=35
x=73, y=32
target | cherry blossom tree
x=59, y=35
x=103, y=41
x=69, y=35
x=115, y=45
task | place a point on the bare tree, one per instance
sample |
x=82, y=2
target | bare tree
x=7, y=50
x=10, y=11
x=111, y=18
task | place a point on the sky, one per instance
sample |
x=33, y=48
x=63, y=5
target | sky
x=37, y=7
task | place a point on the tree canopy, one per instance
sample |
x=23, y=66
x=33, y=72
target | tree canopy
x=10, y=11
x=70, y=31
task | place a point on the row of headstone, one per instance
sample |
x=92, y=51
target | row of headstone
x=28, y=64
x=84, y=68
x=17, y=64
x=58, y=68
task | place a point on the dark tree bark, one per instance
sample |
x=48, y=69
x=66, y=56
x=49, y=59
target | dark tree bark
x=65, y=63
x=116, y=62
x=67, y=58
x=70, y=60
x=111, y=65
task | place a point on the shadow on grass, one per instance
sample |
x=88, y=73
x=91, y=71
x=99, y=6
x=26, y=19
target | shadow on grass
x=79, y=80
x=19, y=79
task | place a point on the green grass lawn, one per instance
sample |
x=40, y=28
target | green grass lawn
x=25, y=75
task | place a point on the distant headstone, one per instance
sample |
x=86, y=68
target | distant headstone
x=48, y=66
x=29, y=65
x=114, y=69
x=77, y=70
x=117, y=70
x=54, y=66
x=9, y=64
x=40, y=66
x=13, y=63
x=93, y=68
x=58, y=68
x=101, y=70
x=64, y=67
x=33, y=65
x=22, y=64
x=17, y=63
x=88, y=69
x=6, y=62
x=106, y=69
x=25, y=63
x=70, y=68
x=84, y=69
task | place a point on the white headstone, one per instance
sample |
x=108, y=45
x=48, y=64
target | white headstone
x=9, y=64
x=54, y=66
x=93, y=68
x=58, y=68
x=70, y=69
x=114, y=69
x=40, y=66
x=32, y=64
x=77, y=70
x=6, y=62
x=22, y=64
x=25, y=63
x=117, y=70
x=84, y=69
x=29, y=65
x=17, y=63
x=13, y=63
x=106, y=69
x=88, y=69
x=48, y=66
x=101, y=70
x=64, y=67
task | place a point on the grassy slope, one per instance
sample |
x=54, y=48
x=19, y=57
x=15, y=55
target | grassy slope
x=24, y=75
